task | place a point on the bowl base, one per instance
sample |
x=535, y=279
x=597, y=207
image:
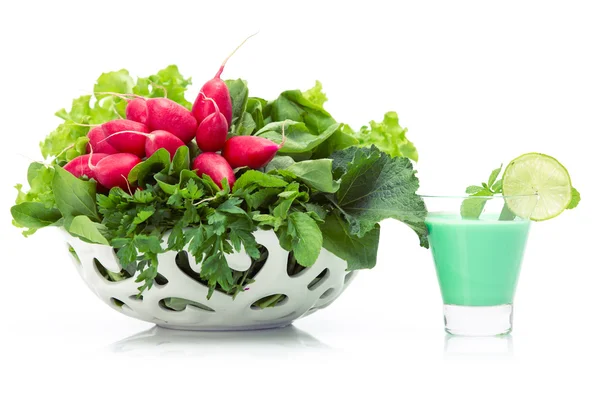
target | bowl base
x=225, y=328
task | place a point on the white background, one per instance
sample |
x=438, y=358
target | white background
x=477, y=83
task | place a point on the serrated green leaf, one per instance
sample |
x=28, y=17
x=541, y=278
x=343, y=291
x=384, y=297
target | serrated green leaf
x=376, y=186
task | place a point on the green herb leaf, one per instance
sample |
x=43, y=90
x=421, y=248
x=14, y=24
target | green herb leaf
x=474, y=189
x=494, y=176
x=216, y=271
x=307, y=238
x=497, y=187
x=472, y=207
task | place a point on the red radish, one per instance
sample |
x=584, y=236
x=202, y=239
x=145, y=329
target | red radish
x=127, y=141
x=97, y=142
x=167, y=115
x=212, y=131
x=112, y=171
x=249, y=151
x=137, y=110
x=162, y=140
x=215, y=89
x=82, y=165
x=214, y=166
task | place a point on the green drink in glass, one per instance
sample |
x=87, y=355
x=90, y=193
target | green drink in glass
x=478, y=246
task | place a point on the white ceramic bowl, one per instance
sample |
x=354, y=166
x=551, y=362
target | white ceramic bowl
x=308, y=291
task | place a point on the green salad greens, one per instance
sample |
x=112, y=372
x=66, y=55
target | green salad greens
x=328, y=187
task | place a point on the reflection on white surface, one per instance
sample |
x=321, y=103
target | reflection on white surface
x=478, y=346
x=162, y=341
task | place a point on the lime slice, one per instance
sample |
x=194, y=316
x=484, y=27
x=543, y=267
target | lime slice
x=536, y=173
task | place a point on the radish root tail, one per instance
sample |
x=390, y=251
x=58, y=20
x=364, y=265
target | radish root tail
x=205, y=97
x=220, y=71
x=120, y=132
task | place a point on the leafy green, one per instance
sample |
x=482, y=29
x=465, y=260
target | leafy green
x=160, y=161
x=307, y=238
x=257, y=178
x=307, y=196
x=239, y=96
x=375, y=186
x=168, y=80
x=315, y=173
x=472, y=207
x=389, y=137
x=34, y=215
x=315, y=95
x=359, y=252
x=296, y=106
x=84, y=228
x=74, y=196
x=298, y=138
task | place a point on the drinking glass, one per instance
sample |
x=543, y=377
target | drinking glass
x=478, y=244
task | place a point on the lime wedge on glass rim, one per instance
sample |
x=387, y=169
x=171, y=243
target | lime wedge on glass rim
x=541, y=175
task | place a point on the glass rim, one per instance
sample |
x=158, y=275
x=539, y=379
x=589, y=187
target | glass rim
x=466, y=196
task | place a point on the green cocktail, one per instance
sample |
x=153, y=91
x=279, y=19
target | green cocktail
x=477, y=261
x=477, y=248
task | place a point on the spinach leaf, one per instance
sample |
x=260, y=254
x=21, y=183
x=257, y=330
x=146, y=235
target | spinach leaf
x=316, y=174
x=34, y=215
x=298, y=138
x=238, y=91
x=74, y=196
x=87, y=230
x=359, y=252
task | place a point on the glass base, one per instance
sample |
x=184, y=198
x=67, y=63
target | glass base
x=478, y=320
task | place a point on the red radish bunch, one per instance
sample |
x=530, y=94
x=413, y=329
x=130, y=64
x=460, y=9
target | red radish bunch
x=117, y=146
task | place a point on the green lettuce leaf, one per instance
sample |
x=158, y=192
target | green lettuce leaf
x=389, y=137
x=168, y=78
